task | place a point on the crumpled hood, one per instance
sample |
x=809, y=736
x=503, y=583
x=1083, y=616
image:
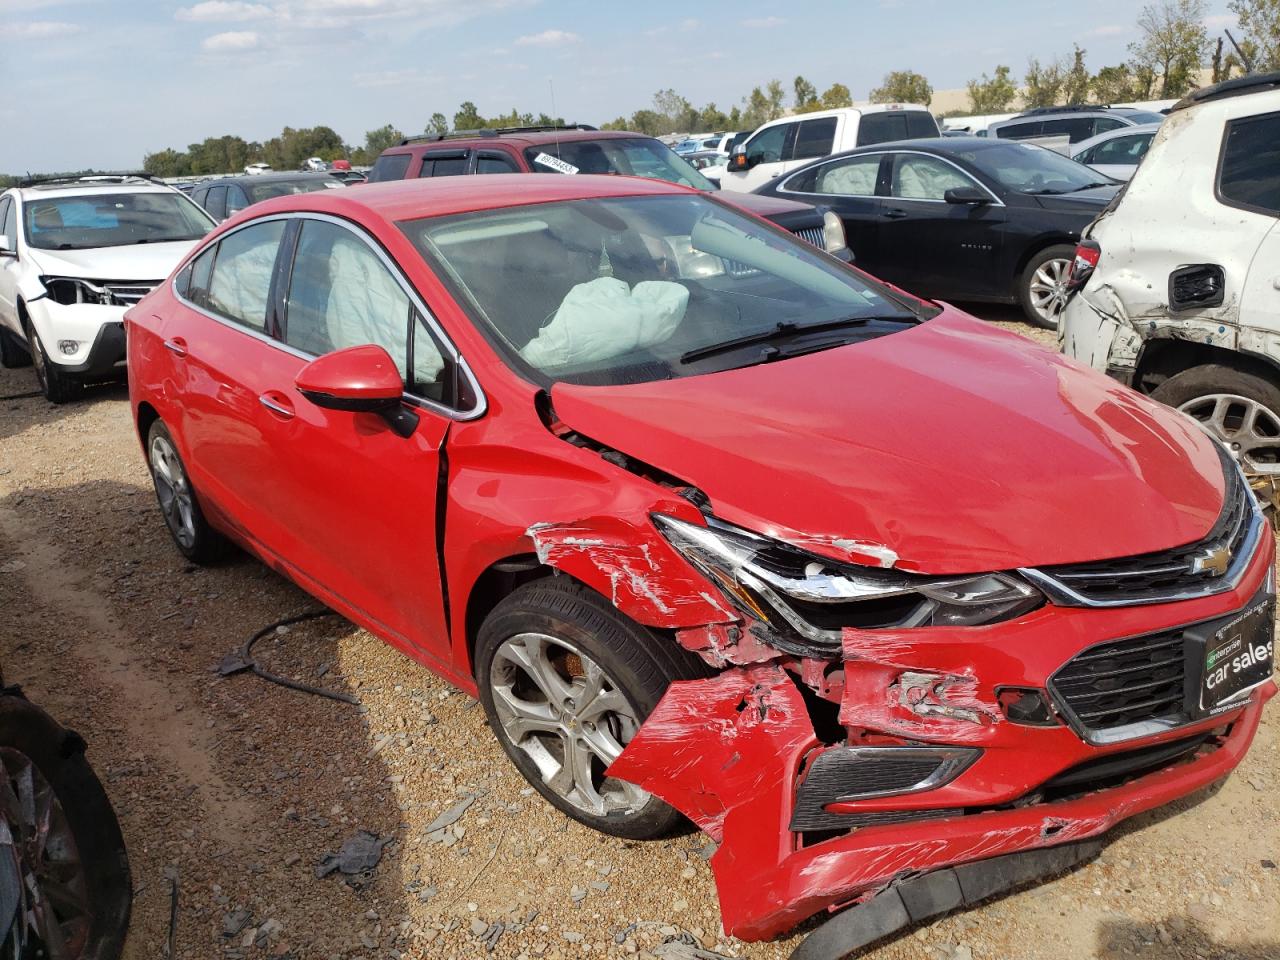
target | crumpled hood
x=143, y=261
x=951, y=447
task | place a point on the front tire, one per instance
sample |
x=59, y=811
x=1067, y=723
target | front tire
x=566, y=680
x=1240, y=408
x=1042, y=287
x=57, y=386
x=191, y=532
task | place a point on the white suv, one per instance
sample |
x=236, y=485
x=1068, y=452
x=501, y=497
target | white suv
x=781, y=146
x=1178, y=282
x=74, y=255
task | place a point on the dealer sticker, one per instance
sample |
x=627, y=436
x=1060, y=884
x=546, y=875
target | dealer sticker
x=554, y=163
x=1238, y=658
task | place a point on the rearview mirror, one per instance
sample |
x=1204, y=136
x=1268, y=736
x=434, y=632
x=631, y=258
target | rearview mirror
x=358, y=380
x=967, y=195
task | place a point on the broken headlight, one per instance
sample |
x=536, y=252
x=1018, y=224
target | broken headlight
x=799, y=593
x=69, y=290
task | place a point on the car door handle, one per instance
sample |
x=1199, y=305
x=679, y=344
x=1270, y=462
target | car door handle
x=896, y=214
x=277, y=405
x=177, y=346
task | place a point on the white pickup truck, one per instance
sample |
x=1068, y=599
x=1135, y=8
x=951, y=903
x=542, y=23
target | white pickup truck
x=781, y=146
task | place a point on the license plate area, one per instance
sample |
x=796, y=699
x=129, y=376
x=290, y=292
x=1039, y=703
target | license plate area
x=1238, y=657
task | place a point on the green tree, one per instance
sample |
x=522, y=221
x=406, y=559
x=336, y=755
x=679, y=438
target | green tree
x=903, y=86
x=1044, y=83
x=1260, y=32
x=468, y=117
x=1075, y=86
x=622, y=123
x=513, y=119
x=648, y=122
x=755, y=109
x=712, y=118
x=993, y=94
x=289, y=150
x=167, y=163
x=375, y=141
x=678, y=113
x=806, y=95
x=1174, y=44
x=836, y=96
x=775, y=94
x=735, y=118
x=438, y=123
x=1115, y=85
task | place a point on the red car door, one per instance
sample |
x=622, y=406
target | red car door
x=350, y=503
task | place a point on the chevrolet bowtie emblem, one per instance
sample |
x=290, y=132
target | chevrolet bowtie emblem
x=1213, y=561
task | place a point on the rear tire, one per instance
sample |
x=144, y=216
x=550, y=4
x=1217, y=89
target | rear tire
x=1042, y=290
x=605, y=674
x=12, y=352
x=57, y=386
x=179, y=504
x=1238, y=407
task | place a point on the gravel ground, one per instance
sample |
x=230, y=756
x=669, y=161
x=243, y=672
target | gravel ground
x=239, y=788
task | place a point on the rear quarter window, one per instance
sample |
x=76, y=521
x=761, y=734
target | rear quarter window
x=392, y=166
x=1249, y=173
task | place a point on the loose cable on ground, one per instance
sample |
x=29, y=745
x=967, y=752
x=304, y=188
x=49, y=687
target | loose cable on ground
x=242, y=660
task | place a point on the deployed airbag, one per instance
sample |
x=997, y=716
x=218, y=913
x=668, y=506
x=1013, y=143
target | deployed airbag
x=605, y=318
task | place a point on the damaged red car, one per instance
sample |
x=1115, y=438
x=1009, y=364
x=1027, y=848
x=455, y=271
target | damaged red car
x=900, y=608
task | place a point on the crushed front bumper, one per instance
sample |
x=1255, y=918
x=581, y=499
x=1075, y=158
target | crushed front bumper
x=731, y=753
x=96, y=330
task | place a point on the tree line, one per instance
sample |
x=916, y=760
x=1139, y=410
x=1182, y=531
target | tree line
x=1171, y=48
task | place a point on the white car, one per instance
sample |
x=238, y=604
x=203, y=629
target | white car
x=74, y=255
x=315, y=165
x=781, y=146
x=1178, y=284
x=1116, y=153
x=254, y=169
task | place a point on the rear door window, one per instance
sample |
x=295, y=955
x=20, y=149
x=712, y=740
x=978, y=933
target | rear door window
x=390, y=166
x=240, y=287
x=917, y=177
x=216, y=202
x=1076, y=128
x=814, y=138
x=495, y=163
x=1249, y=172
x=1105, y=125
x=451, y=163
x=1020, y=131
x=852, y=177
x=236, y=199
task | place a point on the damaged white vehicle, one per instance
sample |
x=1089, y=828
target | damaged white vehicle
x=1177, y=284
x=74, y=255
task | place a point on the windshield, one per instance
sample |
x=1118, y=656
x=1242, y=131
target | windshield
x=259, y=190
x=1023, y=168
x=629, y=290
x=96, y=220
x=641, y=157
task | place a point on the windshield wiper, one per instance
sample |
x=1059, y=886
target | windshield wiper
x=788, y=328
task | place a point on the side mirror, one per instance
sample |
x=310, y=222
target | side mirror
x=359, y=380
x=6, y=246
x=972, y=196
x=739, y=161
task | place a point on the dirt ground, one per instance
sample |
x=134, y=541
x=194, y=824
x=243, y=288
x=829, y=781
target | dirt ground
x=239, y=788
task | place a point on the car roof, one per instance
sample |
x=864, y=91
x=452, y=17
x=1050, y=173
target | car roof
x=396, y=200
x=273, y=177
x=1257, y=83
x=522, y=137
x=89, y=188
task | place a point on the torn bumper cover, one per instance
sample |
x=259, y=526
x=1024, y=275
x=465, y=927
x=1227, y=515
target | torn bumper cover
x=731, y=751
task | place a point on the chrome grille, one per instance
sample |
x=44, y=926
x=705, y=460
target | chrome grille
x=127, y=294
x=1178, y=573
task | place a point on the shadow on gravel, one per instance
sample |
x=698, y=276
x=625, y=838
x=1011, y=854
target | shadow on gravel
x=19, y=412
x=243, y=791
x=1175, y=938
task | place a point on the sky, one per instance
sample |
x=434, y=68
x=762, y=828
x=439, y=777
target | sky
x=100, y=83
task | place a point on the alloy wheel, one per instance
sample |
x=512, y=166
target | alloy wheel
x=560, y=708
x=53, y=919
x=173, y=491
x=1048, y=289
x=1250, y=430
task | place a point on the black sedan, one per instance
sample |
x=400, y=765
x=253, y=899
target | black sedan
x=959, y=218
x=225, y=196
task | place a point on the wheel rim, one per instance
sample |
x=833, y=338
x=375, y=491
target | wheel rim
x=1250, y=430
x=37, y=358
x=173, y=491
x=558, y=707
x=53, y=918
x=1048, y=289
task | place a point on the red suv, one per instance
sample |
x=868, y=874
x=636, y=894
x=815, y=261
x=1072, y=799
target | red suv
x=716, y=526
x=582, y=149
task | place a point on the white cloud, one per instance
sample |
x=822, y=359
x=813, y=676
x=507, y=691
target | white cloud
x=223, y=10
x=760, y=23
x=36, y=29
x=548, y=38
x=234, y=41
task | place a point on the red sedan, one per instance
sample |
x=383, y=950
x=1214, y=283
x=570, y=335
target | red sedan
x=897, y=607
